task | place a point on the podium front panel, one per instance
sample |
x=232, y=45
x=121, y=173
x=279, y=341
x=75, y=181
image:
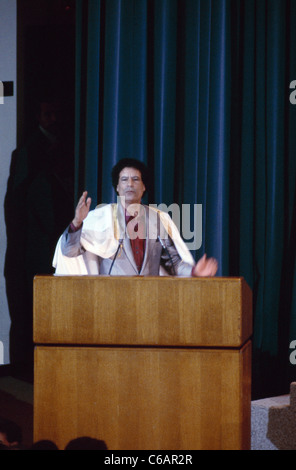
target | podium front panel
x=143, y=362
x=159, y=311
x=144, y=398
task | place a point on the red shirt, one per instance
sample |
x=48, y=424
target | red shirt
x=137, y=244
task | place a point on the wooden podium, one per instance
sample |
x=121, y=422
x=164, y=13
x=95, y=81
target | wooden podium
x=143, y=362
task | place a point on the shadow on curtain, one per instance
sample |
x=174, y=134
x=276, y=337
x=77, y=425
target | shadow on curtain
x=199, y=90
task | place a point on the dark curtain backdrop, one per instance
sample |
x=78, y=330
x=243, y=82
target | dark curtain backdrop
x=199, y=90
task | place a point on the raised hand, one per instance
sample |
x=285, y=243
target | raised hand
x=205, y=267
x=82, y=209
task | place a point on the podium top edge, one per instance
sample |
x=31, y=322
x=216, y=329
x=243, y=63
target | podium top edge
x=142, y=278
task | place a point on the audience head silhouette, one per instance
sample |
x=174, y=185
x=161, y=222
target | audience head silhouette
x=86, y=443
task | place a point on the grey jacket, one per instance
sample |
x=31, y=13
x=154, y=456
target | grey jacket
x=155, y=257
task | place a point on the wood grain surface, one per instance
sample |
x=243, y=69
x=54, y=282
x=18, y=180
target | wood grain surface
x=144, y=398
x=142, y=310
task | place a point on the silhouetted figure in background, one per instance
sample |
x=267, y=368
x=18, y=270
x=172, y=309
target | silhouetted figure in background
x=86, y=443
x=38, y=200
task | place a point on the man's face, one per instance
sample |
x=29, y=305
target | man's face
x=49, y=117
x=130, y=186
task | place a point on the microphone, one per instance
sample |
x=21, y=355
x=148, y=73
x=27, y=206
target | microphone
x=117, y=251
x=168, y=254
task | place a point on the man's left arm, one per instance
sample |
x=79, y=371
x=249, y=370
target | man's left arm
x=172, y=262
x=174, y=265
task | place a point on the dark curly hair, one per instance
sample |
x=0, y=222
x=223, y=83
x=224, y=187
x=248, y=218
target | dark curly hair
x=129, y=163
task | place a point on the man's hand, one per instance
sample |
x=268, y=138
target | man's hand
x=205, y=267
x=82, y=209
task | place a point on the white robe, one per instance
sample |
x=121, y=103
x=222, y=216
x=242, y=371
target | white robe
x=101, y=231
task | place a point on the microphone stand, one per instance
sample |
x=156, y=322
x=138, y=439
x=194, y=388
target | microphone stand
x=119, y=246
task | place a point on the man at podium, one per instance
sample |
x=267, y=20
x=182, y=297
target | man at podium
x=126, y=238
